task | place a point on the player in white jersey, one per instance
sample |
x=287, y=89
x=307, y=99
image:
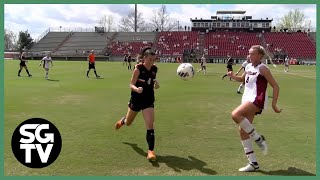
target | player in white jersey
x=243, y=66
x=286, y=64
x=256, y=77
x=45, y=63
x=203, y=64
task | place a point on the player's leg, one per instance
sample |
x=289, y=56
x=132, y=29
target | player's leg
x=204, y=70
x=240, y=114
x=148, y=116
x=89, y=68
x=248, y=149
x=26, y=68
x=47, y=72
x=20, y=70
x=95, y=72
x=132, y=112
x=240, y=87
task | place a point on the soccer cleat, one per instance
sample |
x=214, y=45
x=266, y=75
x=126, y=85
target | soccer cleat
x=30, y=75
x=261, y=142
x=87, y=76
x=151, y=156
x=238, y=92
x=97, y=76
x=249, y=168
x=19, y=75
x=119, y=123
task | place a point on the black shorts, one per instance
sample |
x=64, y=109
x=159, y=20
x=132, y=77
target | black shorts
x=229, y=67
x=92, y=66
x=23, y=64
x=138, y=105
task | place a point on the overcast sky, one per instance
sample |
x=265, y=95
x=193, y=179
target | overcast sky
x=36, y=18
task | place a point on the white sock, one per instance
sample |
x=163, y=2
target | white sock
x=248, y=150
x=47, y=72
x=248, y=128
x=240, y=87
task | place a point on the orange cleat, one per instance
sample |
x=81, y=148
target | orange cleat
x=119, y=124
x=151, y=156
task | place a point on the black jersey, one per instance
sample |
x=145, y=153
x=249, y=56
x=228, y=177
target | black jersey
x=22, y=60
x=146, y=81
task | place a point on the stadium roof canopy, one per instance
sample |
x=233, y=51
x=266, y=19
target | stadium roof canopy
x=231, y=12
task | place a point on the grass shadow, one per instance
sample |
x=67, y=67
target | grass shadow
x=175, y=162
x=291, y=171
x=53, y=80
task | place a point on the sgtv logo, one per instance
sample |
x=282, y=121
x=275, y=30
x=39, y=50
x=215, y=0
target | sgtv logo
x=36, y=143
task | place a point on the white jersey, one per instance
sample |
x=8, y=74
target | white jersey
x=203, y=61
x=286, y=62
x=46, y=61
x=255, y=86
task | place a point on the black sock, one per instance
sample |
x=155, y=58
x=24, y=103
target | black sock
x=150, y=139
x=28, y=72
x=19, y=72
x=88, y=72
x=225, y=75
x=95, y=72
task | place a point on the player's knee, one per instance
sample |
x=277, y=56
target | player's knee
x=235, y=115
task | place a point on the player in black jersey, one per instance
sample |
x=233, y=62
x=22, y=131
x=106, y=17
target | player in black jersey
x=23, y=64
x=129, y=62
x=142, y=85
x=230, y=62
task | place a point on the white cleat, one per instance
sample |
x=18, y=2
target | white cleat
x=249, y=168
x=263, y=145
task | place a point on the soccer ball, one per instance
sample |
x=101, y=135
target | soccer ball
x=185, y=71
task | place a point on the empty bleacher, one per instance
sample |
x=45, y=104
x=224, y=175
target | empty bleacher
x=49, y=42
x=236, y=44
x=174, y=43
x=295, y=44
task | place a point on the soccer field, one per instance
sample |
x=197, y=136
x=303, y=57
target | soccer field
x=195, y=135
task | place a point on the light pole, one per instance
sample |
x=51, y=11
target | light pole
x=60, y=28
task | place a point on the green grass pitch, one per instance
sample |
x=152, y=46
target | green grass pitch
x=195, y=135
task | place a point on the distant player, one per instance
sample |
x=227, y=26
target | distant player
x=142, y=85
x=125, y=60
x=92, y=61
x=23, y=61
x=286, y=64
x=203, y=64
x=45, y=63
x=243, y=67
x=129, y=62
x=229, y=66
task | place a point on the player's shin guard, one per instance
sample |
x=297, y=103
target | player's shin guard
x=248, y=128
x=150, y=139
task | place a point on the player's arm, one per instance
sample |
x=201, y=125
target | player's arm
x=41, y=62
x=134, y=79
x=267, y=74
x=235, y=77
x=51, y=62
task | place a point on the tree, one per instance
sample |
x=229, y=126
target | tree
x=24, y=40
x=107, y=22
x=127, y=23
x=9, y=40
x=295, y=20
x=161, y=20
